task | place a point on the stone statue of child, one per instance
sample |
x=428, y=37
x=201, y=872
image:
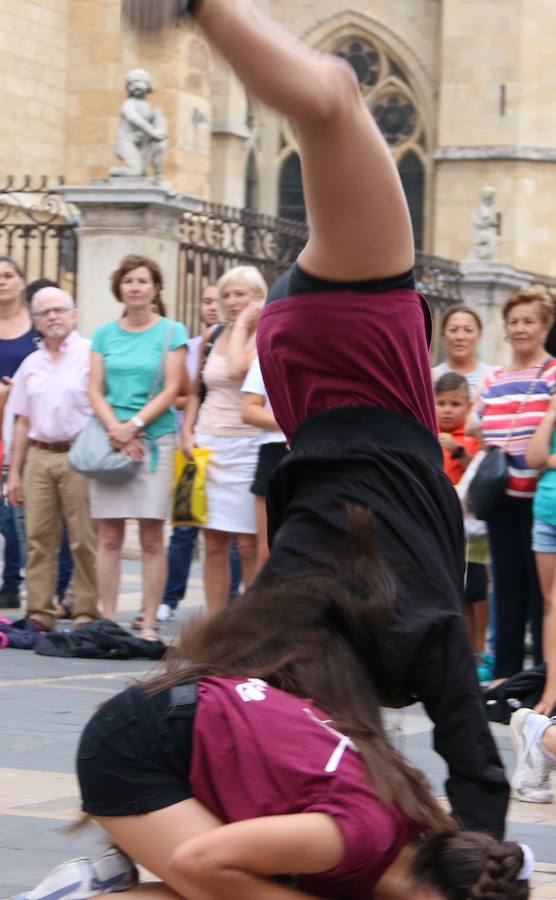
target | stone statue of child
x=485, y=227
x=142, y=138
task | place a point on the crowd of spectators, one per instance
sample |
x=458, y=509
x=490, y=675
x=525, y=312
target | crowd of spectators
x=154, y=388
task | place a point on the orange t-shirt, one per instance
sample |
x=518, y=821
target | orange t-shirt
x=453, y=467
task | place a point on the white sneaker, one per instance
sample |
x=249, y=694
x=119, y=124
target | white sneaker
x=531, y=779
x=164, y=612
x=114, y=871
x=72, y=880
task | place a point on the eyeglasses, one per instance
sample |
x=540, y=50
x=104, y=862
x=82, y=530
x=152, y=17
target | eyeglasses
x=57, y=310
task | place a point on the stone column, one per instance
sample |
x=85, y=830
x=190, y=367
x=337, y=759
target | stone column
x=120, y=216
x=486, y=287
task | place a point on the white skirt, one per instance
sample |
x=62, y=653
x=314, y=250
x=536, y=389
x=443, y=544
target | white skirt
x=229, y=476
x=145, y=496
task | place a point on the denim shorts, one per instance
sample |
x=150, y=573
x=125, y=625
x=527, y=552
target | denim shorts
x=134, y=754
x=544, y=537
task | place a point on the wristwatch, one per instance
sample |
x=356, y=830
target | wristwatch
x=137, y=422
x=455, y=454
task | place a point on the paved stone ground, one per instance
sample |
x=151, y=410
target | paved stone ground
x=45, y=702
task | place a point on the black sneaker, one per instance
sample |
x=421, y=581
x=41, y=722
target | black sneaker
x=9, y=597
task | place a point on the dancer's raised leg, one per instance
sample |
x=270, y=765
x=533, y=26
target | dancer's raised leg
x=358, y=216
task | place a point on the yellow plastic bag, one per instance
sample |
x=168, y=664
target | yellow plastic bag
x=189, y=505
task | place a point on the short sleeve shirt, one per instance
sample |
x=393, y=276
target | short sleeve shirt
x=131, y=361
x=254, y=384
x=258, y=751
x=15, y=350
x=514, y=402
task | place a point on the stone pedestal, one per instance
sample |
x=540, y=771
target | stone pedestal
x=119, y=216
x=485, y=287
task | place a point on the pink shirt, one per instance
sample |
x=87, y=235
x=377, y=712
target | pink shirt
x=52, y=392
x=258, y=751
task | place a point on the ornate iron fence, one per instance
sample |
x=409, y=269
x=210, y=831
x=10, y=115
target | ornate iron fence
x=37, y=229
x=218, y=237
x=215, y=238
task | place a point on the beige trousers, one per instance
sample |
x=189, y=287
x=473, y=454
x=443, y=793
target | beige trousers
x=53, y=489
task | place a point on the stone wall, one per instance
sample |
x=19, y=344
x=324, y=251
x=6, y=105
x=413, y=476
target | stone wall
x=497, y=126
x=33, y=86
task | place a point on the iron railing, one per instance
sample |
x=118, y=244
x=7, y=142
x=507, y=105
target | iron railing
x=216, y=237
x=37, y=229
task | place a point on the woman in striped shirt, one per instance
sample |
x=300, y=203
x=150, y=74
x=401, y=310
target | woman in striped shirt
x=512, y=403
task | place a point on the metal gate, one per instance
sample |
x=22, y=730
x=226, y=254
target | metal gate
x=37, y=229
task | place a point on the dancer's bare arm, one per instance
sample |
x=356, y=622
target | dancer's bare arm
x=358, y=216
x=238, y=861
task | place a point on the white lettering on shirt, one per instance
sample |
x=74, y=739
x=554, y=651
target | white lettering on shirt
x=252, y=689
x=344, y=742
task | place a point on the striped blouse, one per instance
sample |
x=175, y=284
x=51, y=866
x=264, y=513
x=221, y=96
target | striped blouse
x=503, y=392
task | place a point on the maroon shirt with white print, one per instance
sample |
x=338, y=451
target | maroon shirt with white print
x=258, y=751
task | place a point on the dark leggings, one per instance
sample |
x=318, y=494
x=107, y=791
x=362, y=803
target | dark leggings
x=518, y=596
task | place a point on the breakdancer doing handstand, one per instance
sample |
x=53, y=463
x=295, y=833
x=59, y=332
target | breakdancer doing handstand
x=353, y=392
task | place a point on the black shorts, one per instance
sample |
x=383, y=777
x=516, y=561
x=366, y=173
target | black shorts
x=269, y=456
x=475, y=583
x=135, y=752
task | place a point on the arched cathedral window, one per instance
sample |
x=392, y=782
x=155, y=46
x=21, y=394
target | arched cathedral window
x=292, y=204
x=387, y=91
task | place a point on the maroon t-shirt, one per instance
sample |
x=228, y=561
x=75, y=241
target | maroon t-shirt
x=258, y=751
x=343, y=347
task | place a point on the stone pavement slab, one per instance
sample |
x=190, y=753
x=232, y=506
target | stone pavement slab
x=45, y=703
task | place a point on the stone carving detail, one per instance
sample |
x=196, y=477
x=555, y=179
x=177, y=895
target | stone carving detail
x=142, y=137
x=486, y=228
x=532, y=154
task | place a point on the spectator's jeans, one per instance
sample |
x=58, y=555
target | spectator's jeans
x=12, y=556
x=180, y=556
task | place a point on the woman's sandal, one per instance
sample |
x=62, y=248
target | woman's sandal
x=138, y=622
x=149, y=633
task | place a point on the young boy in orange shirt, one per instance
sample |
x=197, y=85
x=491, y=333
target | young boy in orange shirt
x=452, y=408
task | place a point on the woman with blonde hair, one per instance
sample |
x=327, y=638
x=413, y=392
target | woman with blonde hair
x=512, y=403
x=137, y=365
x=213, y=420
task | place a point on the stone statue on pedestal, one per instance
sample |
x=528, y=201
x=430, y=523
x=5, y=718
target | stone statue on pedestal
x=142, y=138
x=486, y=235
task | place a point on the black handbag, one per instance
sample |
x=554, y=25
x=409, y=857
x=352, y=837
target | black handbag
x=491, y=478
x=489, y=484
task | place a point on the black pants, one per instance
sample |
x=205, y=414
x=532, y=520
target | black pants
x=516, y=584
x=393, y=465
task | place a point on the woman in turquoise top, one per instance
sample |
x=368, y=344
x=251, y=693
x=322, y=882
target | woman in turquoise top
x=541, y=454
x=137, y=410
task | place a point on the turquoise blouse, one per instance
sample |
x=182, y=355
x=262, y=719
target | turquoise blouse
x=131, y=361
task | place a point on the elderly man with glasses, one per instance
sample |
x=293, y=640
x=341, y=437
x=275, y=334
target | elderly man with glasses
x=49, y=399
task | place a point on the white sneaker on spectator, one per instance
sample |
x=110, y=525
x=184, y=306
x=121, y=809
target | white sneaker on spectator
x=531, y=779
x=114, y=871
x=72, y=880
x=164, y=612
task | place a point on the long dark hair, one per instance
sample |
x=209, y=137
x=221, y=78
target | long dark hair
x=467, y=865
x=300, y=635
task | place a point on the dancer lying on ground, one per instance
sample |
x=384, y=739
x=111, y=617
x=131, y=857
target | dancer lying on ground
x=308, y=788
x=354, y=393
